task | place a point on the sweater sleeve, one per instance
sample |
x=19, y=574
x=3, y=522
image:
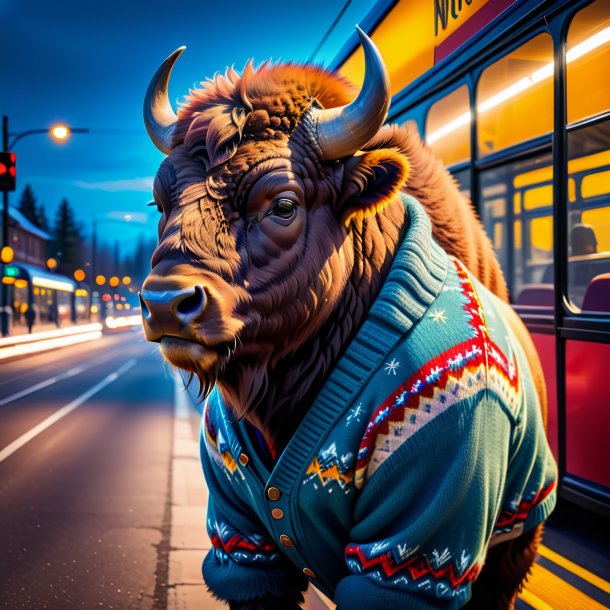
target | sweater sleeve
x=244, y=567
x=425, y=517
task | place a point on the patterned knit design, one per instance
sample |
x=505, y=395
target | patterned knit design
x=458, y=373
x=441, y=571
x=228, y=543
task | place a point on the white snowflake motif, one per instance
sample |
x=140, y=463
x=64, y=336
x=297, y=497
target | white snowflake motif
x=441, y=558
x=464, y=561
x=354, y=414
x=391, y=367
x=438, y=315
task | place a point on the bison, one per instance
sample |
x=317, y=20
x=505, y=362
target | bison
x=374, y=417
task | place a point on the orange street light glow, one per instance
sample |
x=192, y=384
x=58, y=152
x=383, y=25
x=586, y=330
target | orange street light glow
x=7, y=254
x=60, y=132
x=126, y=280
x=79, y=275
x=114, y=281
x=51, y=263
x=100, y=280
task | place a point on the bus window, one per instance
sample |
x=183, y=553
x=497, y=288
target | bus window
x=587, y=59
x=448, y=127
x=588, y=94
x=517, y=211
x=511, y=92
x=589, y=218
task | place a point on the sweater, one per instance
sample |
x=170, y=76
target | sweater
x=424, y=447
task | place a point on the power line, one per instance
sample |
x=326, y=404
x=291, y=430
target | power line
x=329, y=31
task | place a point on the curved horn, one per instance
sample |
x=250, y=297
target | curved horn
x=159, y=117
x=343, y=131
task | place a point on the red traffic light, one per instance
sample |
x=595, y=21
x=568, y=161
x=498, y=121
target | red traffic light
x=8, y=171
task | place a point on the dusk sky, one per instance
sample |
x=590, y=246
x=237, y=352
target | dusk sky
x=88, y=64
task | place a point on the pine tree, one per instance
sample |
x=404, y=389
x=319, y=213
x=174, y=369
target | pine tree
x=67, y=243
x=27, y=204
x=41, y=218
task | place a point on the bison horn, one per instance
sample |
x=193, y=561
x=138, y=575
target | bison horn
x=343, y=131
x=159, y=117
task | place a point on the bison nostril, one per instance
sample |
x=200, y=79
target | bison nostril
x=145, y=310
x=193, y=304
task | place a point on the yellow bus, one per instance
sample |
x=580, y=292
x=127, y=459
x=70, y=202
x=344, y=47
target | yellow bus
x=514, y=96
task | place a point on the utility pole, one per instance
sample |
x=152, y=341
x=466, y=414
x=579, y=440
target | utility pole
x=4, y=314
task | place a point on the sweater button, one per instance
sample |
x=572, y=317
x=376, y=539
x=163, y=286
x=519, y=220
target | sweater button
x=273, y=493
x=309, y=573
x=286, y=541
x=277, y=513
x=243, y=459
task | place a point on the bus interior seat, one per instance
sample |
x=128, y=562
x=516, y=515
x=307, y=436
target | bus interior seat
x=537, y=295
x=597, y=295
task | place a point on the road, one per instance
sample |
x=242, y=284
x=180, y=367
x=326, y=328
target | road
x=84, y=506
x=102, y=501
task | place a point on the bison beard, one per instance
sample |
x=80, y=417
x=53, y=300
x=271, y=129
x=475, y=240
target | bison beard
x=286, y=291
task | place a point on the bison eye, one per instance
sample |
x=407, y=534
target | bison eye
x=283, y=208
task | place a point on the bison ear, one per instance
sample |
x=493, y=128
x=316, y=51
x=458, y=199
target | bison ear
x=370, y=181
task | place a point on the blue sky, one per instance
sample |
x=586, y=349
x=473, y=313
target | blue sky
x=88, y=64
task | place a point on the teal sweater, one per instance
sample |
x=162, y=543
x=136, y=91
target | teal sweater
x=424, y=447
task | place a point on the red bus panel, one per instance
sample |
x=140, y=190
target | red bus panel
x=587, y=411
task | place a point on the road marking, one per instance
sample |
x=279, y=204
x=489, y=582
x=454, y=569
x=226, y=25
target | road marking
x=43, y=425
x=560, y=560
x=533, y=600
x=557, y=593
x=70, y=373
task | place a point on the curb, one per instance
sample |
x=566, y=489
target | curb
x=189, y=541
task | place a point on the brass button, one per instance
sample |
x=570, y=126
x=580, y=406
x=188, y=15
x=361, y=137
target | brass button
x=243, y=459
x=277, y=513
x=309, y=573
x=286, y=541
x=273, y=493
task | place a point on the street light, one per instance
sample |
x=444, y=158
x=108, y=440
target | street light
x=59, y=133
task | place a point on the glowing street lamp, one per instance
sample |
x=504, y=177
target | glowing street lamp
x=100, y=280
x=59, y=133
x=79, y=275
x=7, y=254
x=126, y=280
x=51, y=263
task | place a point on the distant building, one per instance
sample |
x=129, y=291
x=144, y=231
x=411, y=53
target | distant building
x=51, y=296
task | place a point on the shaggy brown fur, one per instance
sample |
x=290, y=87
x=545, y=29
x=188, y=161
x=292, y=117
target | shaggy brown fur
x=286, y=298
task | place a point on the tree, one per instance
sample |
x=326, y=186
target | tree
x=27, y=204
x=67, y=239
x=41, y=218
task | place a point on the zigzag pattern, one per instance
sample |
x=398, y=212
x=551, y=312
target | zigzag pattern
x=418, y=567
x=329, y=474
x=445, y=379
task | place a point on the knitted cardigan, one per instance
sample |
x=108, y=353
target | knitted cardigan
x=425, y=446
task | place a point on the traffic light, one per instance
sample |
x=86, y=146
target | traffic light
x=8, y=172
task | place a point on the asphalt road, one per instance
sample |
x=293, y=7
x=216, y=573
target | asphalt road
x=84, y=505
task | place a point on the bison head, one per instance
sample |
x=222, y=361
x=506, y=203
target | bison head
x=266, y=200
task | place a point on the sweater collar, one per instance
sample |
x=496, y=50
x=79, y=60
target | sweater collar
x=413, y=283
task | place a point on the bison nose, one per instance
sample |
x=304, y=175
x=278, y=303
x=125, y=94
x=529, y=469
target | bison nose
x=169, y=312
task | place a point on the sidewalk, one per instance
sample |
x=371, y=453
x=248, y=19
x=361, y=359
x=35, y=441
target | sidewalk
x=189, y=542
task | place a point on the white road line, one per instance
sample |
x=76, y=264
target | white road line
x=43, y=425
x=70, y=373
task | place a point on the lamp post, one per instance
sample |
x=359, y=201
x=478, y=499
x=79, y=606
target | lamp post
x=57, y=132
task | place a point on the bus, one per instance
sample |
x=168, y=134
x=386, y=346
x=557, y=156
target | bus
x=514, y=97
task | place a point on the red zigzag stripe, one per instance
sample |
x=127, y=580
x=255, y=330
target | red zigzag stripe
x=418, y=567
